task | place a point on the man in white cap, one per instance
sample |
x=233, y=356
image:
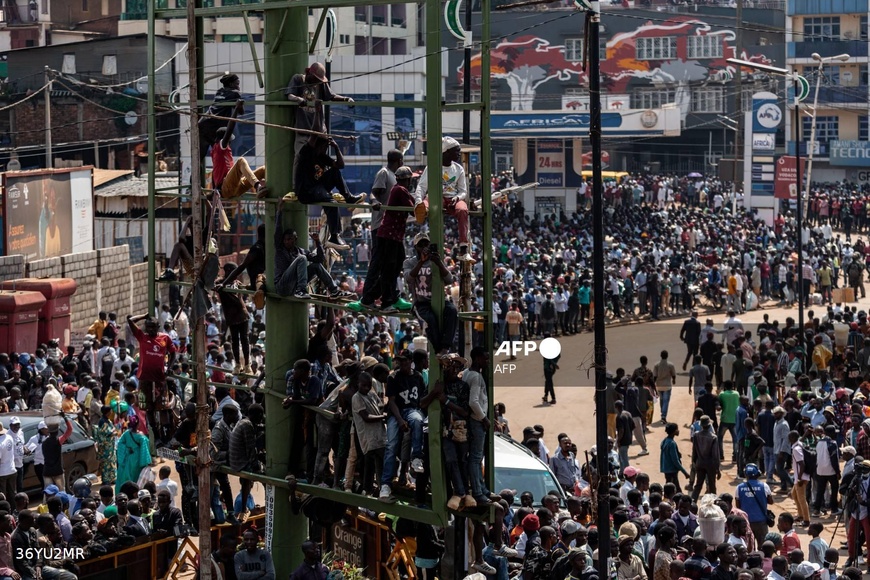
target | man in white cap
x=34, y=445
x=8, y=474
x=17, y=435
x=454, y=189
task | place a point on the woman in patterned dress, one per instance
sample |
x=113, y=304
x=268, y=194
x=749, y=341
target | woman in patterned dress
x=104, y=437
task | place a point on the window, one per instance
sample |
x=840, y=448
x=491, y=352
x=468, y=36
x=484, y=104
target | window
x=827, y=128
x=110, y=65
x=344, y=39
x=652, y=98
x=831, y=75
x=863, y=27
x=661, y=48
x=69, y=64
x=365, y=122
x=863, y=77
x=821, y=28
x=574, y=49
x=709, y=46
x=707, y=100
x=864, y=128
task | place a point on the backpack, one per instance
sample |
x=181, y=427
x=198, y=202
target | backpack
x=107, y=363
x=811, y=460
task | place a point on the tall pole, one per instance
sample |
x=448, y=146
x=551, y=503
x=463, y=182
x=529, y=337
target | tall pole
x=466, y=79
x=48, y=153
x=738, y=103
x=199, y=256
x=799, y=221
x=603, y=508
x=152, y=147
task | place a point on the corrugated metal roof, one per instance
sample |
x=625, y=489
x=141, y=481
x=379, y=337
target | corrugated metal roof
x=135, y=186
x=104, y=176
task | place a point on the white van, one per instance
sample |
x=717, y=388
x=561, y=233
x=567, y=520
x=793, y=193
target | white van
x=517, y=468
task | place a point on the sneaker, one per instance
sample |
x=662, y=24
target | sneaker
x=386, y=494
x=355, y=198
x=453, y=503
x=403, y=305
x=262, y=191
x=290, y=197
x=244, y=516
x=484, y=568
x=301, y=295
x=420, y=213
x=468, y=502
x=357, y=306
x=643, y=452
x=388, y=310
x=248, y=370
x=417, y=465
x=237, y=369
x=259, y=299
x=507, y=552
x=339, y=293
x=168, y=275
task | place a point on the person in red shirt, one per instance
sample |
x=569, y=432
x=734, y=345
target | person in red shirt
x=389, y=254
x=154, y=347
x=233, y=178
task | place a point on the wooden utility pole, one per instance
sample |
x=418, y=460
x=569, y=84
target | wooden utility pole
x=48, y=152
x=203, y=434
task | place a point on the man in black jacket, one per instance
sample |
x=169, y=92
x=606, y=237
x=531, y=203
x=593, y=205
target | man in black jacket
x=691, y=335
x=166, y=517
x=209, y=126
x=23, y=545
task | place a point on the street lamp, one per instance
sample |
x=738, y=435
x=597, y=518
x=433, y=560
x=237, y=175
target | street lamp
x=799, y=218
x=403, y=140
x=822, y=60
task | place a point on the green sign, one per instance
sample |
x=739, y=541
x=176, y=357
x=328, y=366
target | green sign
x=802, y=88
x=451, y=17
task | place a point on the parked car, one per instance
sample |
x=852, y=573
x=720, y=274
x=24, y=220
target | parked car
x=79, y=451
x=518, y=468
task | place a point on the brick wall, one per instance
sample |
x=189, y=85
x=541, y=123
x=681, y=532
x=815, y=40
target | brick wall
x=11, y=267
x=82, y=268
x=47, y=268
x=138, y=284
x=72, y=120
x=113, y=280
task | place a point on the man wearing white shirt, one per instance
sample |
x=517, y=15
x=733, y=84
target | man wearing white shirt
x=34, y=446
x=17, y=435
x=454, y=188
x=8, y=474
x=733, y=327
x=561, y=300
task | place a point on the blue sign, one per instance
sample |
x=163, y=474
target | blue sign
x=767, y=115
x=567, y=124
x=550, y=179
x=849, y=153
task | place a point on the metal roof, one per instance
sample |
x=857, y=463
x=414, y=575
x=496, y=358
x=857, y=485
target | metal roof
x=132, y=186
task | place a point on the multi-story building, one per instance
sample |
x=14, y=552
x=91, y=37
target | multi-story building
x=829, y=29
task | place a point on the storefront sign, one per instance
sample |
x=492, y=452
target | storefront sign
x=348, y=545
x=766, y=113
x=849, y=153
x=763, y=142
x=550, y=163
x=786, y=182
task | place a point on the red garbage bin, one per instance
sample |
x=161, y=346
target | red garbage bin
x=54, y=318
x=19, y=320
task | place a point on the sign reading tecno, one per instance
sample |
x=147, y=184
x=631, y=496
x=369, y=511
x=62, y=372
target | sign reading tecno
x=849, y=153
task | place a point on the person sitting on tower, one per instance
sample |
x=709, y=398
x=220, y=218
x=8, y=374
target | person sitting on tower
x=310, y=90
x=208, y=126
x=255, y=264
x=454, y=189
x=233, y=178
x=317, y=174
x=295, y=265
x=386, y=266
x=419, y=276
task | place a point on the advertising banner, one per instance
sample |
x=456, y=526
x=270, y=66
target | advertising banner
x=48, y=213
x=785, y=182
x=550, y=163
x=849, y=153
x=767, y=115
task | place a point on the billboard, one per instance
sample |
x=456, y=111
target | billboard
x=849, y=153
x=785, y=182
x=48, y=213
x=550, y=163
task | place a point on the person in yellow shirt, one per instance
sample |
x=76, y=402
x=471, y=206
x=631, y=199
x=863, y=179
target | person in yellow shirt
x=825, y=277
x=821, y=355
x=99, y=326
x=733, y=295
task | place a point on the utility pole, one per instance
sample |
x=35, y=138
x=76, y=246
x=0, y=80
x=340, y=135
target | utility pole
x=737, y=104
x=466, y=80
x=48, y=152
x=203, y=433
x=603, y=508
x=799, y=217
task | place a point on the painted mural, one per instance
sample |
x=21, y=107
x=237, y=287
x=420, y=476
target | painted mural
x=527, y=62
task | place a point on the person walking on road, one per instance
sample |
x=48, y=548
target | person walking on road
x=754, y=497
x=671, y=462
x=665, y=375
x=705, y=458
x=690, y=334
x=632, y=405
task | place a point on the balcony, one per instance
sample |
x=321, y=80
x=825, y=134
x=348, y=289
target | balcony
x=854, y=48
x=812, y=7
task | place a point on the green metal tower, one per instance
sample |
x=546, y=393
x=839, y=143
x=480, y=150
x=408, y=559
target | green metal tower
x=286, y=52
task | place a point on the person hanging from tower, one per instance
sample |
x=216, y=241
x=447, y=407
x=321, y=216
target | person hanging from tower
x=316, y=175
x=454, y=189
x=233, y=177
x=208, y=126
x=310, y=90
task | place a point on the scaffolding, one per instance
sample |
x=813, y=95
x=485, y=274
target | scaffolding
x=286, y=52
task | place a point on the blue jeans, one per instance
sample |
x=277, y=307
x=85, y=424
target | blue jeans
x=665, y=402
x=623, y=457
x=414, y=419
x=769, y=463
x=216, y=507
x=476, y=447
x=498, y=562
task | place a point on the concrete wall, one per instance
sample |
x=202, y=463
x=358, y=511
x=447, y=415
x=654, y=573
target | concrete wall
x=106, y=281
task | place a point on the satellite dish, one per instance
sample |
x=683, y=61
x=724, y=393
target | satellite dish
x=13, y=165
x=131, y=117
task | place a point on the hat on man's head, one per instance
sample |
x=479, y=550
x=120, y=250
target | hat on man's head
x=531, y=523
x=52, y=490
x=404, y=172
x=630, y=471
x=570, y=527
x=421, y=237
x=448, y=143
x=229, y=78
